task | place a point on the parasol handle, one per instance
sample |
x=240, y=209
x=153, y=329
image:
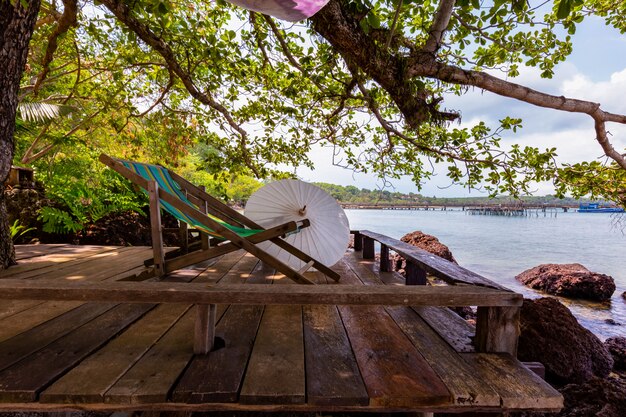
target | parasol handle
x=302, y=211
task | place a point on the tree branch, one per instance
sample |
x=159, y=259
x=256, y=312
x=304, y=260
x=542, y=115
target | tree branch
x=166, y=89
x=257, y=36
x=427, y=67
x=64, y=23
x=439, y=26
x=125, y=15
x=285, y=48
x=342, y=29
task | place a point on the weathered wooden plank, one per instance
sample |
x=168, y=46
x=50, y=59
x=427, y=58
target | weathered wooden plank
x=395, y=374
x=450, y=326
x=385, y=265
x=414, y=274
x=204, y=328
x=343, y=268
x=38, y=337
x=318, y=277
x=275, y=373
x=358, y=241
x=138, y=292
x=497, y=329
x=265, y=274
x=519, y=388
x=101, y=267
x=373, y=274
x=139, y=273
x=332, y=376
x=156, y=232
x=54, y=261
x=362, y=270
x=217, y=377
x=23, y=252
x=459, y=377
x=439, y=267
x=23, y=381
x=11, y=307
x=203, y=206
x=154, y=375
x=216, y=272
x=88, y=382
x=240, y=272
x=183, y=237
x=27, y=319
x=368, y=248
x=237, y=331
x=199, y=272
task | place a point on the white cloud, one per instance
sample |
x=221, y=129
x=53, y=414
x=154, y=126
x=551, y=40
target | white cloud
x=610, y=94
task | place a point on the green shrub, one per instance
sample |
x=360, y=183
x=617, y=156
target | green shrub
x=17, y=230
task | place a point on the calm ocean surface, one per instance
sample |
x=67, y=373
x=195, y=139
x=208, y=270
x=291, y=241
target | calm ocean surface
x=500, y=247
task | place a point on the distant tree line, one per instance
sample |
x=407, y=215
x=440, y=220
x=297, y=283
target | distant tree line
x=352, y=194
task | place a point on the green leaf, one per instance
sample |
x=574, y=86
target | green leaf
x=563, y=9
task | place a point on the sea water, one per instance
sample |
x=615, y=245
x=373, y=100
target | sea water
x=500, y=247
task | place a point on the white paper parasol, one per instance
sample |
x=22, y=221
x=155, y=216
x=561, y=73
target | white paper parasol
x=326, y=239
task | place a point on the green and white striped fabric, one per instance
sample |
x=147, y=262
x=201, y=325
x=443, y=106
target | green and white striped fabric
x=166, y=183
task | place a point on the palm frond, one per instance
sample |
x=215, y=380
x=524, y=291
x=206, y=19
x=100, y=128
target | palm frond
x=42, y=112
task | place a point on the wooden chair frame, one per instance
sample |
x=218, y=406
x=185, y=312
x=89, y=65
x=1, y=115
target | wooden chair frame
x=209, y=204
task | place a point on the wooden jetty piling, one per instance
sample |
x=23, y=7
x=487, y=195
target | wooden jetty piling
x=514, y=211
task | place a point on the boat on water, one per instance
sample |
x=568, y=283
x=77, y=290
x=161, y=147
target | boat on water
x=598, y=208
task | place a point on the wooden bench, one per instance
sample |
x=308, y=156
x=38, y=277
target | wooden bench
x=497, y=327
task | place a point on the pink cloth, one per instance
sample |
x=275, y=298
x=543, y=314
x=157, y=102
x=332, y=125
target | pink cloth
x=291, y=10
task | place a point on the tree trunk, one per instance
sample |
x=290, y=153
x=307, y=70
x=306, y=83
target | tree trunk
x=17, y=22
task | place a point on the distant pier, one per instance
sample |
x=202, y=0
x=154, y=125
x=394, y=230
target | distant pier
x=383, y=206
x=516, y=211
x=492, y=210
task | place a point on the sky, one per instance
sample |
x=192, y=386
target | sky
x=596, y=70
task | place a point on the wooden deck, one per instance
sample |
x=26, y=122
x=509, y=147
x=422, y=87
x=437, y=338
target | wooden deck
x=76, y=354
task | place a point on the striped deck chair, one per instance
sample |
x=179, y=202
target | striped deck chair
x=192, y=206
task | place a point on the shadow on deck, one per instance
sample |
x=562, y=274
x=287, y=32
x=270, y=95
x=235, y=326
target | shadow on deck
x=373, y=345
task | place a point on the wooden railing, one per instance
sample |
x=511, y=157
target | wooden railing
x=497, y=327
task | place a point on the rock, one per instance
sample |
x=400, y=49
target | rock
x=624, y=295
x=569, y=280
x=612, y=322
x=550, y=334
x=127, y=228
x=423, y=241
x=24, y=205
x=597, y=397
x=617, y=348
x=428, y=243
x=469, y=314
